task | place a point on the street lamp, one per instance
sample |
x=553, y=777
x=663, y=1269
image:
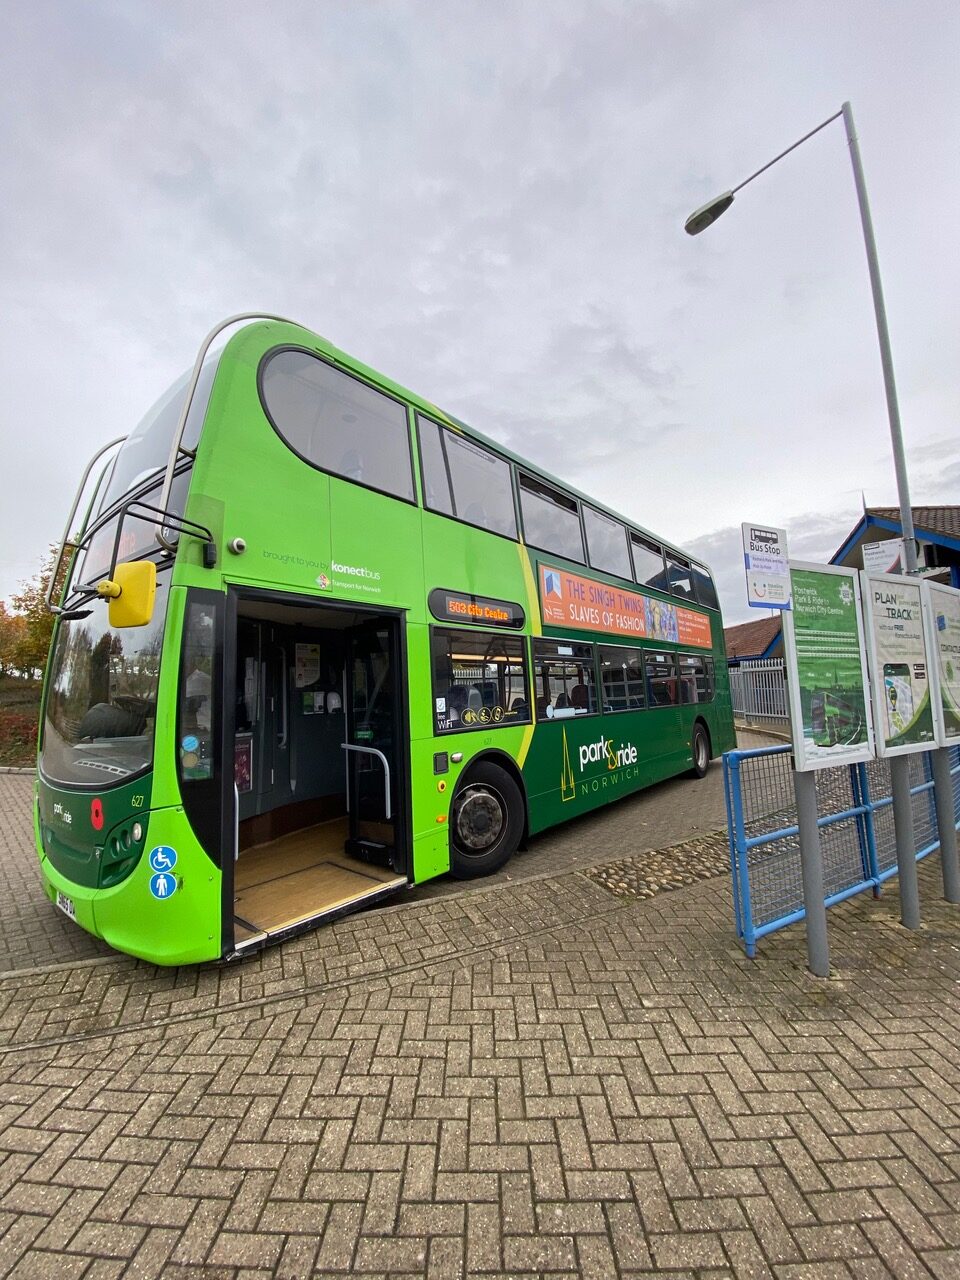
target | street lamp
x=707, y=214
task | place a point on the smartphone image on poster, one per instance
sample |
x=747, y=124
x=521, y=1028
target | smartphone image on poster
x=898, y=697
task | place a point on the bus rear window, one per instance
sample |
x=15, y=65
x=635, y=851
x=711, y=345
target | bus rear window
x=337, y=423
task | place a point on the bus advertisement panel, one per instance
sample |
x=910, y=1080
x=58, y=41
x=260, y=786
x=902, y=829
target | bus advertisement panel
x=826, y=668
x=572, y=600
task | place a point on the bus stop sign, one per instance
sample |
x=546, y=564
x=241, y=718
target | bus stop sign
x=767, y=566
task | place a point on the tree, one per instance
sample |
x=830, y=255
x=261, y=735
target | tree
x=12, y=629
x=32, y=621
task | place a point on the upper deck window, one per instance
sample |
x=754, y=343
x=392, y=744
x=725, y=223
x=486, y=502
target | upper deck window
x=648, y=563
x=338, y=423
x=146, y=449
x=606, y=543
x=680, y=577
x=706, y=591
x=463, y=479
x=551, y=520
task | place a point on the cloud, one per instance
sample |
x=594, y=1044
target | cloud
x=486, y=202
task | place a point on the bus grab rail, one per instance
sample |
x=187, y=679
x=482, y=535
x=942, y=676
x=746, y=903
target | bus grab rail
x=176, y=447
x=55, y=572
x=372, y=751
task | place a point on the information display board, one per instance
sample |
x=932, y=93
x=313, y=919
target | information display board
x=827, y=668
x=898, y=651
x=945, y=634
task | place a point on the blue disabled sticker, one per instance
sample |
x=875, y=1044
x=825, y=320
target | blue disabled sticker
x=190, y=743
x=163, y=858
x=163, y=885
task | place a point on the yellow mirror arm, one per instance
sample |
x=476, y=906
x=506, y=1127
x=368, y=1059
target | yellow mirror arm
x=109, y=590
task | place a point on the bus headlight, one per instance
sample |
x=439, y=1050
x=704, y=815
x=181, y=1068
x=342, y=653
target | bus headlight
x=137, y=832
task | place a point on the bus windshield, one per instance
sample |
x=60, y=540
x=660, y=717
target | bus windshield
x=102, y=698
x=145, y=451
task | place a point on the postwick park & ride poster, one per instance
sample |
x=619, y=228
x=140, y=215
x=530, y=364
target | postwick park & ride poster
x=826, y=668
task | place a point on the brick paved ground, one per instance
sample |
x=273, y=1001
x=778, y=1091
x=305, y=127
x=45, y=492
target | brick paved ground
x=32, y=932
x=535, y=1078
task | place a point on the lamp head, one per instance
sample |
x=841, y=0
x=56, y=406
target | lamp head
x=701, y=218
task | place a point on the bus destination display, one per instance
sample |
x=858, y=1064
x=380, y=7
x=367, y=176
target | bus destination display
x=455, y=606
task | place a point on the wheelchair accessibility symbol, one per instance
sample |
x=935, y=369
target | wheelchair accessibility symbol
x=163, y=858
x=163, y=885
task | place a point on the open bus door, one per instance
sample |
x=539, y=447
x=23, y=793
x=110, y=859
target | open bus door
x=318, y=742
x=373, y=734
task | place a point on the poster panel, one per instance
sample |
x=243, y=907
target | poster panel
x=900, y=666
x=945, y=634
x=827, y=668
x=307, y=657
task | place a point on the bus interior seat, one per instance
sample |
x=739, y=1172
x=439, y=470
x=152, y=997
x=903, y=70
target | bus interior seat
x=579, y=697
x=474, y=699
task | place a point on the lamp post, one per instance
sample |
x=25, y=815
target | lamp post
x=707, y=214
x=811, y=862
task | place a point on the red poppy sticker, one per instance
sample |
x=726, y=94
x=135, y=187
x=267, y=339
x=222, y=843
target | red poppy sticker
x=96, y=814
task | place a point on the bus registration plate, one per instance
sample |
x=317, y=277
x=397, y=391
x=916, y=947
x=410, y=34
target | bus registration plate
x=66, y=905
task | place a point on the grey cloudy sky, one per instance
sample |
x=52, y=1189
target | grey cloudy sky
x=485, y=199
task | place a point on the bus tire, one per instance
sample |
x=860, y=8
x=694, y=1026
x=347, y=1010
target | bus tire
x=700, y=751
x=486, y=821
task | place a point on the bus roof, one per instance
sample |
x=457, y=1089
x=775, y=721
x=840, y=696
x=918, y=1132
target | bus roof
x=418, y=402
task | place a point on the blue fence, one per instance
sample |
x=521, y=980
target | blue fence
x=857, y=835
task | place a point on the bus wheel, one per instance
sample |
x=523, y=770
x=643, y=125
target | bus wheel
x=486, y=822
x=700, y=752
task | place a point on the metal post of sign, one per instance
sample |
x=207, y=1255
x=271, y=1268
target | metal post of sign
x=811, y=871
x=906, y=846
x=943, y=792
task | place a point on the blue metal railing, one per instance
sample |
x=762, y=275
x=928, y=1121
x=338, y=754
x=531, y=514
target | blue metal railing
x=857, y=836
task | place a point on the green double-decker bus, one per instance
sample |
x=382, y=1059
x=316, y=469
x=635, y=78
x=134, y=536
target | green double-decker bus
x=319, y=642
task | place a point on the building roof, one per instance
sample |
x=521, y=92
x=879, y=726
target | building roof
x=751, y=639
x=942, y=520
x=933, y=526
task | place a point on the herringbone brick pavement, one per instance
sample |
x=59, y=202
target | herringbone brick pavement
x=532, y=1079
x=610, y=1089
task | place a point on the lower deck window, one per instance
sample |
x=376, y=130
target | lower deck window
x=479, y=680
x=621, y=676
x=696, y=678
x=661, y=669
x=564, y=679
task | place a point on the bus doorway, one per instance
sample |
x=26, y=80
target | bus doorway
x=317, y=739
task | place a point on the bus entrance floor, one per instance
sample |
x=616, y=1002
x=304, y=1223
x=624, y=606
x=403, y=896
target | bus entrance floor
x=540, y=1077
x=299, y=876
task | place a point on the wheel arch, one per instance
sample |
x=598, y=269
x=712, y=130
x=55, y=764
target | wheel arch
x=699, y=720
x=509, y=766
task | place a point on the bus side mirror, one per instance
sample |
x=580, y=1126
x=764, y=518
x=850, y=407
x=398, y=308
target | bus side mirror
x=131, y=593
